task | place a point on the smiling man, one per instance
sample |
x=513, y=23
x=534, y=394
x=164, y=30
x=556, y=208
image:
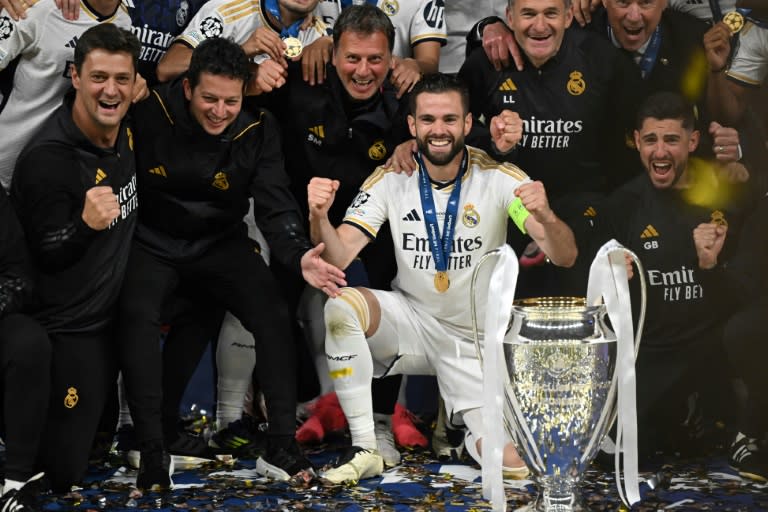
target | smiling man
x=423, y=325
x=74, y=189
x=657, y=215
x=200, y=157
x=573, y=101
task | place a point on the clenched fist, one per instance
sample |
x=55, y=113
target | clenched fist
x=101, y=208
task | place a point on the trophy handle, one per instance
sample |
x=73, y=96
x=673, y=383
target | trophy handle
x=510, y=401
x=638, y=336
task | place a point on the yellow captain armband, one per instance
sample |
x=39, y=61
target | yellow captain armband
x=518, y=214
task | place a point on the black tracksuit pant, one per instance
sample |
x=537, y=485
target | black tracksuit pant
x=235, y=277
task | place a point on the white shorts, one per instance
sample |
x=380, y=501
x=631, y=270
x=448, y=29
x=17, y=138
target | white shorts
x=411, y=343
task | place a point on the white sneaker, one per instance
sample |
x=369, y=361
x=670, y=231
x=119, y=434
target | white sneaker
x=385, y=440
x=354, y=465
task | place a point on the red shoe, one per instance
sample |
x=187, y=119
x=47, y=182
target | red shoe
x=327, y=417
x=406, y=433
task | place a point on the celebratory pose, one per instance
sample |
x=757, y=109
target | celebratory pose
x=423, y=326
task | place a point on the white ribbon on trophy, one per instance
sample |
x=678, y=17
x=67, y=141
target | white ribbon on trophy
x=608, y=283
x=501, y=293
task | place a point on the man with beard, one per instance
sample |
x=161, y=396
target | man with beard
x=658, y=215
x=423, y=325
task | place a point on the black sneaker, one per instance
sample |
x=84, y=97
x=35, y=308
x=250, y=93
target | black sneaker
x=24, y=499
x=155, y=470
x=747, y=458
x=190, y=445
x=238, y=437
x=281, y=463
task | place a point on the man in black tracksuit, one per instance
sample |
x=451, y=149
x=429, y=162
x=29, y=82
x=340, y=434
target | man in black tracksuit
x=74, y=190
x=336, y=131
x=575, y=104
x=199, y=159
x=657, y=216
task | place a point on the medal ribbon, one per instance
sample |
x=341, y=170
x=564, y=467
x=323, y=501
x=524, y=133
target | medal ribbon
x=274, y=10
x=347, y=3
x=439, y=246
x=648, y=60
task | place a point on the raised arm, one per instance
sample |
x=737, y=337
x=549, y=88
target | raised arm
x=552, y=235
x=342, y=244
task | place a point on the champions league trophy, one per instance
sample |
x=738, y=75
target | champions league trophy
x=556, y=371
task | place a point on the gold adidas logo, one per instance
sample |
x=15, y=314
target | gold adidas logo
x=590, y=212
x=318, y=130
x=649, y=232
x=159, y=170
x=100, y=175
x=508, y=85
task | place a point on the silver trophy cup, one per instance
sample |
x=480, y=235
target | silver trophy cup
x=560, y=394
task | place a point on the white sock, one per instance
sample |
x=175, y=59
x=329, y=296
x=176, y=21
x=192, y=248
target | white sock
x=235, y=359
x=124, y=418
x=350, y=363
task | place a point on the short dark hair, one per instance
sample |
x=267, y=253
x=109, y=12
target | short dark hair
x=109, y=37
x=364, y=19
x=511, y=3
x=219, y=56
x=666, y=105
x=436, y=83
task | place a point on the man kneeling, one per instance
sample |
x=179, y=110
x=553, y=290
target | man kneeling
x=423, y=326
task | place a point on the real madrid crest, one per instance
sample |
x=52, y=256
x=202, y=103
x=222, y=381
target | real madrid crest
x=378, y=150
x=390, y=7
x=220, y=181
x=70, y=401
x=718, y=218
x=576, y=85
x=470, y=217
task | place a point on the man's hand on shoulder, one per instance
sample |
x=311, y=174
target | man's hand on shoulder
x=499, y=44
x=100, y=208
x=405, y=74
x=314, y=58
x=140, y=89
x=402, y=158
x=506, y=130
x=268, y=76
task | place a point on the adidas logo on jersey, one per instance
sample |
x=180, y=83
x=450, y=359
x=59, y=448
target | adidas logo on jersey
x=72, y=42
x=159, y=170
x=649, y=232
x=316, y=135
x=100, y=175
x=508, y=85
x=412, y=215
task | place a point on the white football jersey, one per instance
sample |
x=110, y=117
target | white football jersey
x=415, y=21
x=750, y=60
x=487, y=189
x=700, y=8
x=236, y=19
x=45, y=44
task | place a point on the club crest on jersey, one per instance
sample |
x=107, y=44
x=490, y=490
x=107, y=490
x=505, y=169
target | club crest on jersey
x=211, y=27
x=182, y=14
x=470, y=217
x=70, y=401
x=220, y=181
x=390, y=7
x=378, y=150
x=576, y=85
x=718, y=218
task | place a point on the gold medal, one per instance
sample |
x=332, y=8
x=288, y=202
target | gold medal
x=293, y=47
x=441, y=281
x=734, y=20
